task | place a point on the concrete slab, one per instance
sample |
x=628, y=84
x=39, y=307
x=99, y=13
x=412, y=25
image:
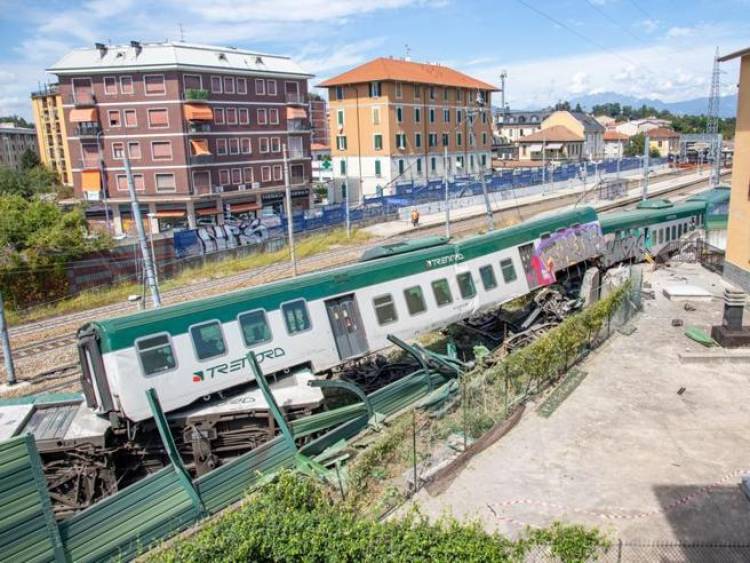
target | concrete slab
x=712, y=357
x=647, y=449
x=686, y=293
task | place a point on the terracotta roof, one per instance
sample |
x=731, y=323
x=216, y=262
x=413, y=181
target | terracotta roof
x=612, y=135
x=319, y=147
x=554, y=134
x=406, y=71
x=661, y=133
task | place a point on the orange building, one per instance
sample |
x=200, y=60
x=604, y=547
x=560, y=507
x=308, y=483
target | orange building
x=737, y=264
x=394, y=120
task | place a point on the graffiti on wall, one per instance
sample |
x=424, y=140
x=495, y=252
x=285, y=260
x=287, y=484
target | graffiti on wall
x=214, y=238
x=560, y=250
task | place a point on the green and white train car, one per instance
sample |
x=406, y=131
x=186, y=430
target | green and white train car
x=318, y=321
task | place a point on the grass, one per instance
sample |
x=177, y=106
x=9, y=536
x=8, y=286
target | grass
x=93, y=298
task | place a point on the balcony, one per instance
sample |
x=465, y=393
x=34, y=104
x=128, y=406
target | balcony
x=198, y=159
x=297, y=180
x=91, y=163
x=81, y=99
x=196, y=94
x=88, y=129
x=198, y=127
x=298, y=126
x=295, y=154
x=295, y=98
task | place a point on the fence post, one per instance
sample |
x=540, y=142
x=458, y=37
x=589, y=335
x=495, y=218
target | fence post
x=174, y=456
x=41, y=486
x=272, y=404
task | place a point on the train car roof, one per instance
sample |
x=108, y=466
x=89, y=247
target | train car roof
x=642, y=217
x=715, y=195
x=121, y=332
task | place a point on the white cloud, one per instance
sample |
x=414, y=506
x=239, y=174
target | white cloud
x=648, y=25
x=669, y=71
x=674, y=32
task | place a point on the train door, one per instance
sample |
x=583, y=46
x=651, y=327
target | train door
x=526, y=252
x=346, y=323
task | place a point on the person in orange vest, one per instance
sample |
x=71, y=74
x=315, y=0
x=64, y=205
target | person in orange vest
x=414, y=217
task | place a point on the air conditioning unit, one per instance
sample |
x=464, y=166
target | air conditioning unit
x=242, y=187
x=255, y=185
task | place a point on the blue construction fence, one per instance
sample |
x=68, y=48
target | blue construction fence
x=407, y=194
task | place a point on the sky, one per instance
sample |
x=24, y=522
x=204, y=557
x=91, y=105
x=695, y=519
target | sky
x=551, y=49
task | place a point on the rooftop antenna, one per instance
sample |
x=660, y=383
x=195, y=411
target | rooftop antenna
x=182, y=34
x=503, y=76
x=408, y=51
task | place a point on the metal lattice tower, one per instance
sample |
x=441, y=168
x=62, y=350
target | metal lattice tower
x=712, y=124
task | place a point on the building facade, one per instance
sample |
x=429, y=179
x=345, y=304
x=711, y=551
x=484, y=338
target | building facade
x=665, y=141
x=51, y=134
x=614, y=144
x=203, y=127
x=319, y=121
x=737, y=263
x=14, y=141
x=635, y=126
x=583, y=125
x=394, y=120
x=555, y=143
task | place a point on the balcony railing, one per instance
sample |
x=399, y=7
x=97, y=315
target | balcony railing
x=202, y=158
x=199, y=127
x=295, y=154
x=196, y=94
x=298, y=125
x=297, y=180
x=91, y=163
x=295, y=98
x=88, y=129
x=81, y=99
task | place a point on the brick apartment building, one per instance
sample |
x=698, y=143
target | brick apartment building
x=203, y=128
x=392, y=120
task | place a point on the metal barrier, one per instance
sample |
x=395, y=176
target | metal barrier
x=125, y=524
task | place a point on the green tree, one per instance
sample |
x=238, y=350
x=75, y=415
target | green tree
x=16, y=120
x=27, y=182
x=29, y=160
x=38, y=239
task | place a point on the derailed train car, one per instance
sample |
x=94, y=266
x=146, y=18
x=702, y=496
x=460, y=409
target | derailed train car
x=195, y=354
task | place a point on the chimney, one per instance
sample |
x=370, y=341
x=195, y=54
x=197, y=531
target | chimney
x=137, y=46
x=102, y=48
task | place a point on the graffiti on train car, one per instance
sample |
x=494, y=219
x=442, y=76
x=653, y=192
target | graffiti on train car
x=562, y=249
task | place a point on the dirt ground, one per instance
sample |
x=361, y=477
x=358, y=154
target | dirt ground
x=627, y=452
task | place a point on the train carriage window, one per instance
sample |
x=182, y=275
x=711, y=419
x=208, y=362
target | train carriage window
x=442, y=292
x=295, y=316
x=415, y=300
x=466, y=285
x=487, y=273
x=156, y=354
x=208, y=340
x=674, y=232
x=509, y=272
x=661, y=236
x=385, y=309
x=254, y=326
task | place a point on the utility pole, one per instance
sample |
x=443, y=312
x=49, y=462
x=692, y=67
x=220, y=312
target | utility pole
x=503, y=76
x=103, y=184
x=712, y=124
x=490, y=218
x=447, y=194
x=10, y=370
x=152, y=218
x=148, y=267
x=646, y=143
x=289, y=221
x=346, y=199
x=544, y=161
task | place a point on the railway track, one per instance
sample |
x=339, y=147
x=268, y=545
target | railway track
x=266, y=274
